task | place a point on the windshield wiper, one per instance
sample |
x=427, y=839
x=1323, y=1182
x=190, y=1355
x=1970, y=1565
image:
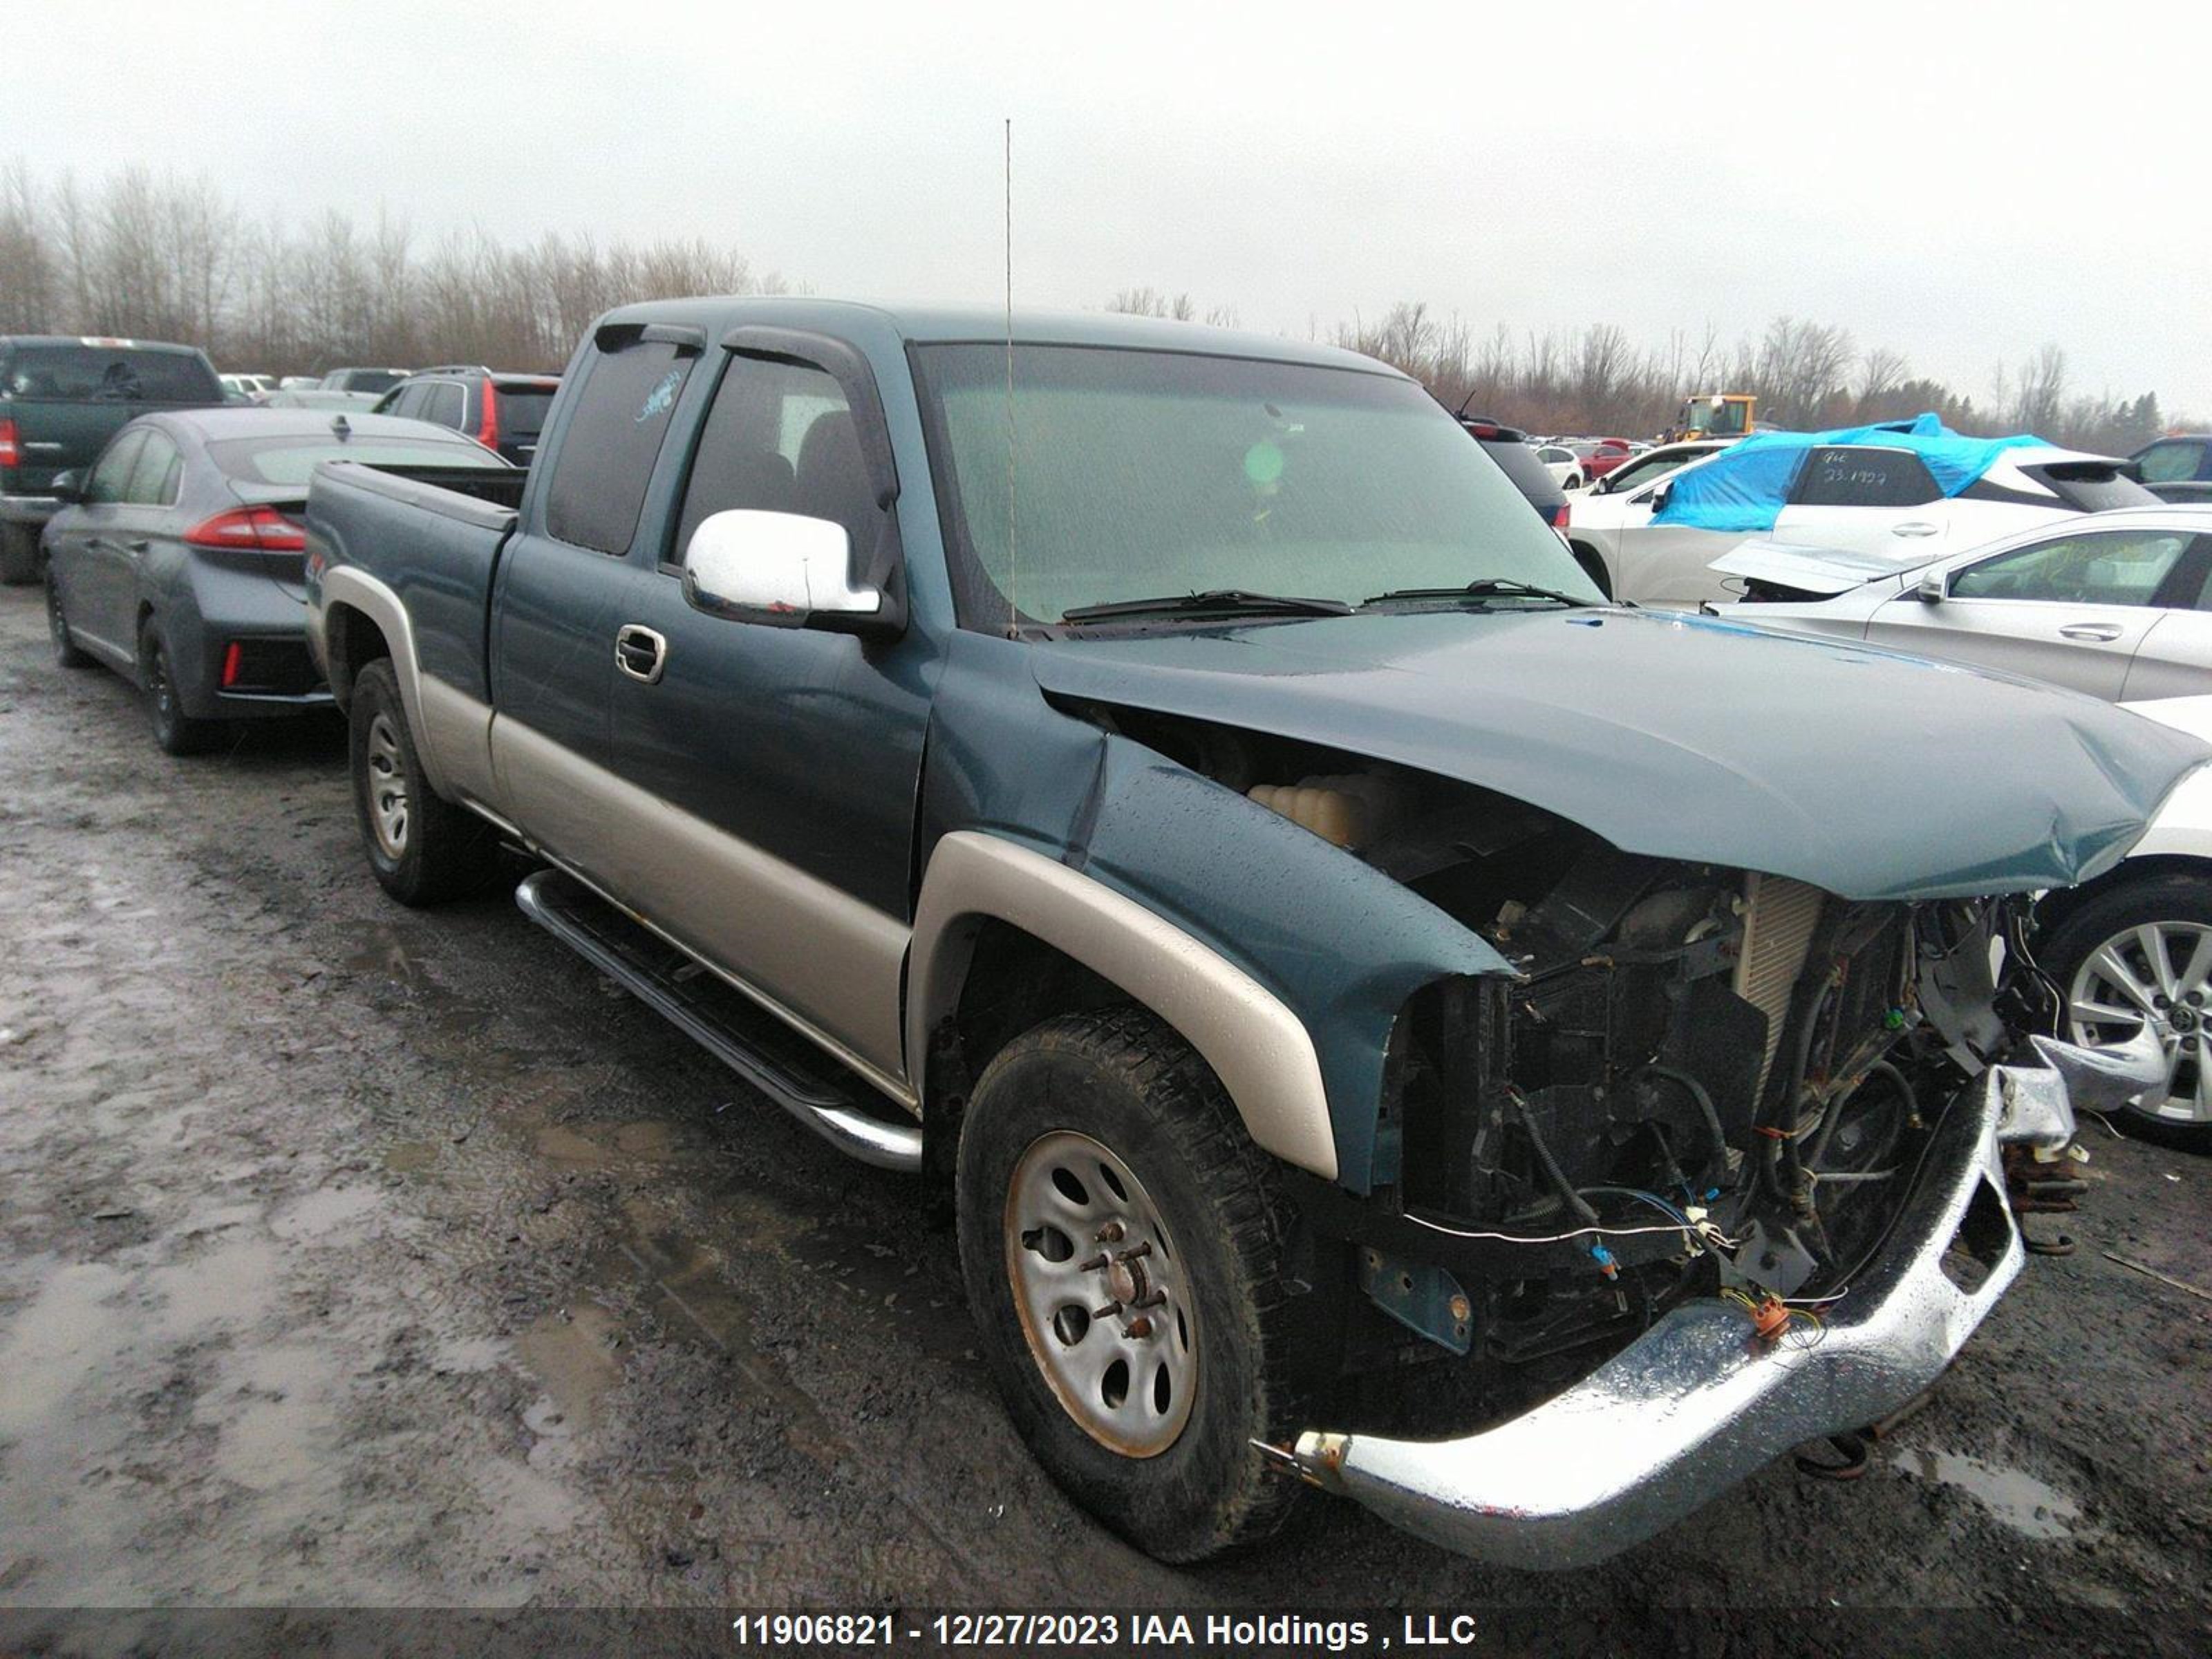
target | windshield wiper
x=1484, y=588
x=1213, y=601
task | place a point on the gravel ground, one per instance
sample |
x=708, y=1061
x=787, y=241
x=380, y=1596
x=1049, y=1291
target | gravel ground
x=356, y=1257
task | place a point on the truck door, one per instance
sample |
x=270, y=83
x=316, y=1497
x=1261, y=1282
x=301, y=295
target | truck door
x=775, y=769
x=554, y=614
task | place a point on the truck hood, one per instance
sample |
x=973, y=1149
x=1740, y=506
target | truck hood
x=1868, y=773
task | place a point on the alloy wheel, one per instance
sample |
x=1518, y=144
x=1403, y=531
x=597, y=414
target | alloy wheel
x=2155, y=974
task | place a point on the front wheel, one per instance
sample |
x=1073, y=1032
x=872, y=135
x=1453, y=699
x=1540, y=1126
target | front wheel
x=2141, y=953
x=1121, y=1238
x=422, y=848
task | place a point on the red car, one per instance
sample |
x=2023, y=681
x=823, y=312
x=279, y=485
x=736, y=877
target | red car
x=1600, y=455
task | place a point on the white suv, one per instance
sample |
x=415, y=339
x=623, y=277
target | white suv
x=1863, y=496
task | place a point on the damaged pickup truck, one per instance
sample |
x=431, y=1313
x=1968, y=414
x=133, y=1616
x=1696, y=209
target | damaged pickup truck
x=1163, y=786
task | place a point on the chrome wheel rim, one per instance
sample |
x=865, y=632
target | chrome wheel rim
x=386, y=784
x=1103, y=1302
x=2155, y=974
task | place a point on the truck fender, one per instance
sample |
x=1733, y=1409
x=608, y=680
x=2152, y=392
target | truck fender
x=1256, y=1045
x=435, y=722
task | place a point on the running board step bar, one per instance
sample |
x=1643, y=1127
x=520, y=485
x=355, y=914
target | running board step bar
x=684, y=991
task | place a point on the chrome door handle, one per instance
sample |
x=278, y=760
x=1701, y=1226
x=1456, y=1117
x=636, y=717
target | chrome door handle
x=2106, y=631
x=1916, y=527
x=640, y=653
x=138, y=546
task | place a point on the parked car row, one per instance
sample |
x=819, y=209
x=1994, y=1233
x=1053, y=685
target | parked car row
x=1209, y=830
x=63, y=398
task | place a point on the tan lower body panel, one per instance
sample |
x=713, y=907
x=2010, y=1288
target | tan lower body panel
x=815, y=956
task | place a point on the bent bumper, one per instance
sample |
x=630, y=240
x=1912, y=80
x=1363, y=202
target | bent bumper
x=1699, y=1401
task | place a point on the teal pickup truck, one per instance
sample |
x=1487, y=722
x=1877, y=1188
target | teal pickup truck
x=62, y=397
x=1161, y=788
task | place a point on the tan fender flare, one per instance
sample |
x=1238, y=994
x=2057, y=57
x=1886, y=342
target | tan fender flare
x=1256, y=1045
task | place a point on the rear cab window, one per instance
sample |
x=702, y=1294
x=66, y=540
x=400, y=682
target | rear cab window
x=92, y=372
x=612, y=439
x=1841, y=476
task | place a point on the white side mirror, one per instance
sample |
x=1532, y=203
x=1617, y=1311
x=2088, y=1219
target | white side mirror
x=1933, y=589
x=780, y=568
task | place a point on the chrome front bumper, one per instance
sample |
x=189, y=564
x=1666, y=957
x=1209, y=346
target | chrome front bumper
x=1699, y=1401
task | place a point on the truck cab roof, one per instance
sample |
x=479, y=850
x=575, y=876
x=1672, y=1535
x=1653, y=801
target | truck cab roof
x=941, y=323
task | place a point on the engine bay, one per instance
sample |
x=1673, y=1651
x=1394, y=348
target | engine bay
x=1702, y=1080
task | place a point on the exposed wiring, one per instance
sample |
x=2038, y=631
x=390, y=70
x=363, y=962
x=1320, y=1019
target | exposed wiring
x=1546, y=1238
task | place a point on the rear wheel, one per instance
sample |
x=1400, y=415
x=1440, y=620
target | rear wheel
x=422, y=847
x=1120, y=1237
x=2140, y=954
x=66, y=653
x=175, y=732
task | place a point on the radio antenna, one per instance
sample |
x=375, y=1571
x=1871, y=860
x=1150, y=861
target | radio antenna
x=1013, y=607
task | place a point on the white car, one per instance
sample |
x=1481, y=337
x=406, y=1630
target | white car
x=1563, y=464
x=1649, y=464
x=2115, y=604
x=248, y=385
x=1866, y=496
x=2134, y=947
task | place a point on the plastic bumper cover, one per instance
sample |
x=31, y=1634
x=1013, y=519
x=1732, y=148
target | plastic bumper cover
x=1699, y=1401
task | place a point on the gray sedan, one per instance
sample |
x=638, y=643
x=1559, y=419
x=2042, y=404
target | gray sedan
x=2117, y=603
x=178, y=560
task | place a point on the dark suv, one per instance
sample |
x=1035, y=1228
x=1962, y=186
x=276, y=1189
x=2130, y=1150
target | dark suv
x=501, y=411
x=1510, y=448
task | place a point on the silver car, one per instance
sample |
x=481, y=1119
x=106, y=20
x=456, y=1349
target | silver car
x=2115, y=604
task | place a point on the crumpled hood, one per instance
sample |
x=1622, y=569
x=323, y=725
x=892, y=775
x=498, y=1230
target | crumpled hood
x=1868, y=773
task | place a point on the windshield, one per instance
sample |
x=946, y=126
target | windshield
x=294, y=460
x=1143, y=474
x=1644, y=468
x=1723, y=420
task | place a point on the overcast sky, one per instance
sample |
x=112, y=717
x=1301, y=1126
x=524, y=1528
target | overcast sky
x=1960, y=183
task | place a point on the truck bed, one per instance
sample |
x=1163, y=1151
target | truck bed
x=433, y=535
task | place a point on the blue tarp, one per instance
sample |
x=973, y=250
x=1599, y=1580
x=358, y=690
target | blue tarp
x=1744, y=487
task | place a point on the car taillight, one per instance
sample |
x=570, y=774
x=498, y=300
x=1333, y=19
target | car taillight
x=230, y=661
x=11, y=453
x=1560, y=516
x=487, y=434
x=261, y=528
